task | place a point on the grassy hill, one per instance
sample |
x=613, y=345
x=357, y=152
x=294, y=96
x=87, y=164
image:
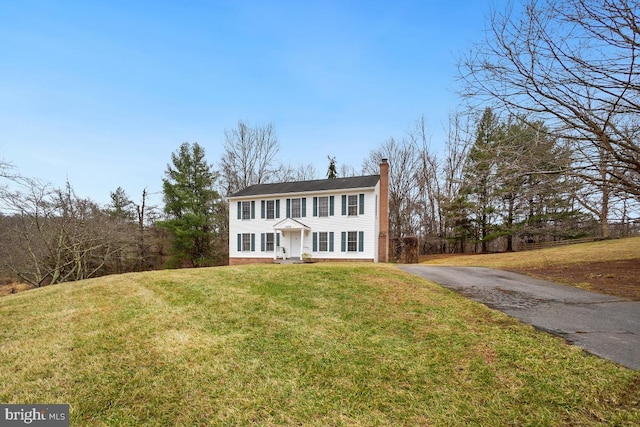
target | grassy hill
x=320, y=344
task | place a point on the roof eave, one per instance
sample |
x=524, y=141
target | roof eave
x=339, y=190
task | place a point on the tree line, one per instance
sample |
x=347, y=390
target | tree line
x=544, y=147
x=51, y=235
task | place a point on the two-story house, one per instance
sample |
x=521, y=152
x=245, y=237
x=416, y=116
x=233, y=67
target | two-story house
x=338, y=219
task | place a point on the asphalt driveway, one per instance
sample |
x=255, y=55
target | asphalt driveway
x=603, y=325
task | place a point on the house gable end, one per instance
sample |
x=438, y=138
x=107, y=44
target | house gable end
x=289, y=224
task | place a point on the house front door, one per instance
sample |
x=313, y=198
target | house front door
x=294, y=245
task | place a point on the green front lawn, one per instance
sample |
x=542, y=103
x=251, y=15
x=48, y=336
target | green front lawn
x=319, y=344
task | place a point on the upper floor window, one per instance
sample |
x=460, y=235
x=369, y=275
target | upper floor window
x=352, y=204
x=323, y=206
x=246, y=210
x=271, y=209
x=295, y=208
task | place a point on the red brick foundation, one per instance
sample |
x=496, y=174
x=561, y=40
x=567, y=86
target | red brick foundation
x=245, y=261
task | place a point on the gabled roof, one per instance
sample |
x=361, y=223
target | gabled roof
x=316, y=185
x=290, y=223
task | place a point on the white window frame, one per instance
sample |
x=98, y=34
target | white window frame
x=296, y=211
x=323, y=206
x=352, y=205
x=271, y=209
x=270, y=242
x=352, y=241
x=246, y=242
x=246, y=210
x=323, y=241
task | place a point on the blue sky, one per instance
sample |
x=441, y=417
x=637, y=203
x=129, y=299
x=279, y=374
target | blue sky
x=101, y=93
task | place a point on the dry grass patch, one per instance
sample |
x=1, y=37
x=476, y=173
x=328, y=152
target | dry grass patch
x=601, y=251
x=10, y=288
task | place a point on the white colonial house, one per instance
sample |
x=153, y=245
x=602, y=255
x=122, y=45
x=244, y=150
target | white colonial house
x=339, y=219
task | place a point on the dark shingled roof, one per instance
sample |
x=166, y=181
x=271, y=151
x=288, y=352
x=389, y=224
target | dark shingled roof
x=368, y=181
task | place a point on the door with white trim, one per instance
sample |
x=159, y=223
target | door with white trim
x=294, y=244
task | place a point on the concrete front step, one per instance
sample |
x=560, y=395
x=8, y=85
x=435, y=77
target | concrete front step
x=288, y=261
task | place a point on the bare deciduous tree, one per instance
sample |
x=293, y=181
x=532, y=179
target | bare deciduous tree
x=287, y=173
x=404, y=162
x=149, y=239
x=574, y=64
x=53, y=235
x=347, y=171
x=427, y=180
x=249, y=156
x=5, y=170
x=452, y=205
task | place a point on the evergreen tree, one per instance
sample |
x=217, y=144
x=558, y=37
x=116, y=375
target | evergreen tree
x=526, y=154
x=532, y=184
x=458, y=224
x=479, y=176
x=332, y=172
x=190, y=203
x=121, y=205
x=515, y=184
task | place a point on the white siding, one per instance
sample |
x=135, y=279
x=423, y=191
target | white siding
x=338, y=223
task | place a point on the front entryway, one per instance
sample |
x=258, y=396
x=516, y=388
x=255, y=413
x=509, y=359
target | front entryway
x=294, y=244
x=292, y=233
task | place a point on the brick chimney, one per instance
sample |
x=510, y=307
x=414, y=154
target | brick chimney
x=383, y=217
